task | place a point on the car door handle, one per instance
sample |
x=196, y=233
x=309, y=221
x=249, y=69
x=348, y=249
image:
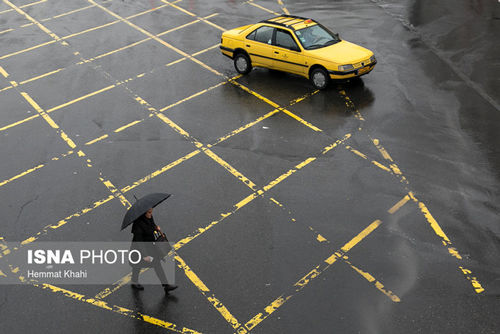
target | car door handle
x=248, y=45
x=276, y=52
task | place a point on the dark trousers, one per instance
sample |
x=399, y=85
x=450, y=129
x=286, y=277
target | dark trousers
x=157, y=268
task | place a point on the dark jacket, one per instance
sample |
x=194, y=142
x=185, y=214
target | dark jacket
x=143, y=229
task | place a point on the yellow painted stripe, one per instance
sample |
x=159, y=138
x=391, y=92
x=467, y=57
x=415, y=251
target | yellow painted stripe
x=23, y=6
x=301, y=120
x=6, y=30
x=475, y=283
x=192, y=14
x=257, y=95
x=29, y=171
x=62, y=39
x=128, y=125
x=86, y=96
x=356, y=152
x=160, y=171
x=231, y=169
x=116, y=309
x=382, y=150
x=159, y=40
x=42, y=76
x=193, y=96
x=363, y=234
x=38, y=24
x=93, y=141
x=379, y=165
x=430, y=219
x=3, y=72
x=376, y=283
x=399, y=204
x=338, y=142
x=64, y=221
x=306, y=279
x=211, y=298
x=250, y=2
x=244, y=127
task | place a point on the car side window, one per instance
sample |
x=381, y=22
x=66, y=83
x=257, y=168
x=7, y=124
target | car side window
x=285, y=40
x=263, y=34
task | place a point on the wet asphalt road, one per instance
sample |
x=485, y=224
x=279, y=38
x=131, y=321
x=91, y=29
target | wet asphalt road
x=378, y=209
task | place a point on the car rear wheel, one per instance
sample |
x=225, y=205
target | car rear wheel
x=319, y=78
x=242, y=63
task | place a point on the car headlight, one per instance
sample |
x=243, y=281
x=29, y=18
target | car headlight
x=346, y=67
x=373, y=59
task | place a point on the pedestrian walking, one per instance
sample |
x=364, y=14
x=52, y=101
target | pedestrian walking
x=145, y=231
x=147, y=237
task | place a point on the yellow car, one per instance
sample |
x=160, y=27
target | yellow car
x=296, y=45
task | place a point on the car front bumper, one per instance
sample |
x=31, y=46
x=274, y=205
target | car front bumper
x=354, y=73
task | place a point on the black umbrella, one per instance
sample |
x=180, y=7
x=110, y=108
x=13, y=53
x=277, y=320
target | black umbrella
x=142, y=205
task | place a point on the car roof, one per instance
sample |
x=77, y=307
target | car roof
x=291, y=21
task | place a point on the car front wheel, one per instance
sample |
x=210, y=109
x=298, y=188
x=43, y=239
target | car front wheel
x=319, y=78
x=242, y=63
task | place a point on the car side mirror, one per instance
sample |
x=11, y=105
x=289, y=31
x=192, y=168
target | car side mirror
x=336, y=36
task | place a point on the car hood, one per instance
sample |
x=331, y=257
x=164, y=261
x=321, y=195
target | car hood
x=343, y=52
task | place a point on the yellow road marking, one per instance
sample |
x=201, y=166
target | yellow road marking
x=250, y=2
x=376, y=283
x=231, y=169
x=306, y=279
x=159, y=40
x=41, y=76
x=301, y=120
x=86, y=96
x=382, y=150
x=62, y=39
x=48, y=119
x=192, y=14
x=23, y=6
x=127, y=126
x=116, y=309
x=399, y=204
x=6, y=30
x=156, y=38
x=428, y=216
x=93, y=141
x=3, y=72
x=282, y=5
x=211, y=298
x=21, y=175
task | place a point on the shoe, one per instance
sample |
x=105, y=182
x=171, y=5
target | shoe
x=137, y=286
x=169, y=287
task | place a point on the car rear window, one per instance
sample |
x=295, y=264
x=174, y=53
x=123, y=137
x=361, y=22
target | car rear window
x=263, y=34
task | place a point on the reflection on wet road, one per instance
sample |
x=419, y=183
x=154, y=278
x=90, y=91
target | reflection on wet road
x=370, y=207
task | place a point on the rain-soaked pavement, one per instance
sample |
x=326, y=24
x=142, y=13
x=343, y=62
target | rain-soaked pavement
x=371, y=207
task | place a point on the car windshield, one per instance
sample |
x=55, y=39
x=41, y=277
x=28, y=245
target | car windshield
x=315, y=37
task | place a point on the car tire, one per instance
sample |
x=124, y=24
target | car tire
x=319, y=78
x=242, y=63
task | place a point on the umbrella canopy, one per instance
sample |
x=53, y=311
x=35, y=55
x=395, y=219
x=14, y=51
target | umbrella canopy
x=142, y=205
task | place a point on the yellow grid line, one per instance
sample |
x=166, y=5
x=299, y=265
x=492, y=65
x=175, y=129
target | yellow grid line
x=117, y=193
x=202, y=64
x=321, y=239
x=251, y=2
x=422, y=203
x=109, y=53
x=23, y=6
x=58, y=39
x=102, y=304
x=97, y=92
x=314, y=273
